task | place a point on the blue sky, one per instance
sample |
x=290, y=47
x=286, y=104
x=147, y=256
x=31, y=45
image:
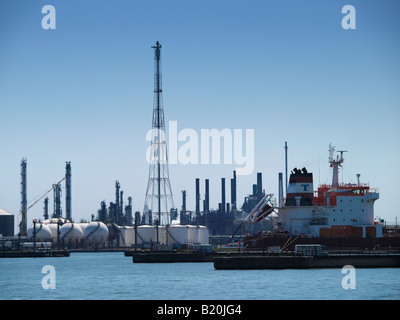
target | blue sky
x=287, y=69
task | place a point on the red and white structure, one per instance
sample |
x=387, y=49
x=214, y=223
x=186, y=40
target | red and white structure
x=336, y=210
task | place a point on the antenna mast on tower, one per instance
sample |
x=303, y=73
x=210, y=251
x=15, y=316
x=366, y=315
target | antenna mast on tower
x=159, y=199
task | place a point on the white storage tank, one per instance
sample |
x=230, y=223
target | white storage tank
x=162, y=235
x=53, y=229
x=43, y=232
x=192, y=234
x=53, y=226
x=177, y=234
x=96, y=233
x=203, y=235
x=71, y=233
x=126, y=236
x=83, y=226
x=146, y=233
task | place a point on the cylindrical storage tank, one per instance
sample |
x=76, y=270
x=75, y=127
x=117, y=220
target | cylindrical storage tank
x=147, y=233
x=203, y=235
x=43, y=232
x=6, y=223
x=53, y=228
x=126, y=236
x=83, y=226
x=192, y=235
x=71, y=234
x=55, y=225
x=177, y=234
x=96, y=233
x=162, y=235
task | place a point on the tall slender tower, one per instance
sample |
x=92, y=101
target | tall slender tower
x=159, y=199
x=24, y=201
x=68, y=191
x=57, y=213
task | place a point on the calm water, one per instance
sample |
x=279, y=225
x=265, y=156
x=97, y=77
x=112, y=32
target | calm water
x=114, y=276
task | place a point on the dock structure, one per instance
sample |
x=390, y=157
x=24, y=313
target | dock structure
x=307, y=262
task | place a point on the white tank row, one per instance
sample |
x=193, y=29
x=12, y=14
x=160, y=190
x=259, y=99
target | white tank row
x=97, y=233
x=94, y=233
x=175, y=234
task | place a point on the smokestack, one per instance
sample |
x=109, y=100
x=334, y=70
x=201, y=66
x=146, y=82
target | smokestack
x=233, y=191
x=207, y=197
x=121, y=208
x=183, y=211
x=137, y=223
x=46, y=208
x=68, y=191
x=286, y=171
x=197, y=197
x=259, y=186
x=280, y=189
x=117, y=187
x=223, y=203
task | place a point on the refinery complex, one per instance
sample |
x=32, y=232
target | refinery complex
x=336, y=215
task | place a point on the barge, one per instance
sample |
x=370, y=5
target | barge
x=307, y=262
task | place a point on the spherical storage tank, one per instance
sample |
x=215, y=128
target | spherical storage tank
x=71, y=233
x=43, y=232
x=96, y=233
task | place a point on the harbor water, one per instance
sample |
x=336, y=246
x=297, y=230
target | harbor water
x=111, y=276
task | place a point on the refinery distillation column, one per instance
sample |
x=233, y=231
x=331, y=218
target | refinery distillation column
x=159, y=199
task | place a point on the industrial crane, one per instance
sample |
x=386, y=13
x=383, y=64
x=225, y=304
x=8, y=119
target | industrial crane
x=23, y=213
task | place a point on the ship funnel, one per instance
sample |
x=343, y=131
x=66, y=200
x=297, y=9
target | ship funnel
x=300, y=185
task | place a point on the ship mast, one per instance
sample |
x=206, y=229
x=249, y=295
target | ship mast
x=335, y=163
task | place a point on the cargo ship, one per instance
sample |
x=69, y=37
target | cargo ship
x=338, y=216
